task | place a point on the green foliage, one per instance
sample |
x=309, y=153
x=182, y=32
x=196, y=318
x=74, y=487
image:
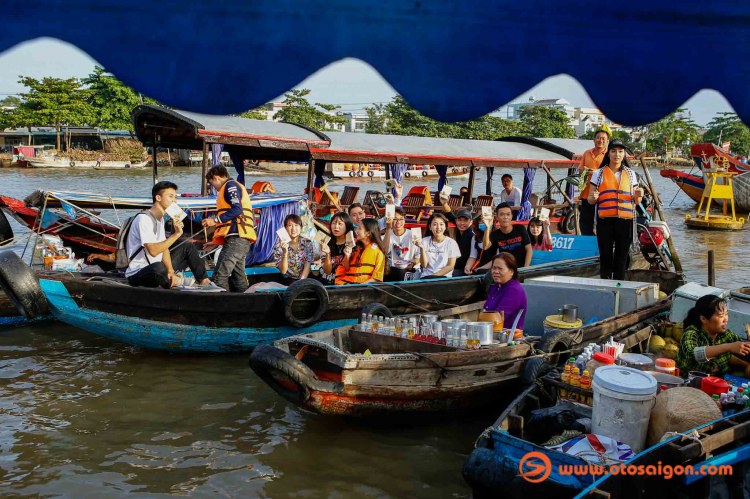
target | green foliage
x=378, y=121
x=252, y=114
x=729, y=127
x=111, y=100
x=676, y=128
x=299, y=110
x=11, y=101
x=545, y=122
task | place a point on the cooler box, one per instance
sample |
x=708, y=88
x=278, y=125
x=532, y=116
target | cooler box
x=686, y=296
x=739, y=311
x=628, y=295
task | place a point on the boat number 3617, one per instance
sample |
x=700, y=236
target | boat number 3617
x=562, y=242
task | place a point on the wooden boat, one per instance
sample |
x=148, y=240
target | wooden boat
x=69, y=163
x=708, y=156
x=328, y=372
x=724, y=444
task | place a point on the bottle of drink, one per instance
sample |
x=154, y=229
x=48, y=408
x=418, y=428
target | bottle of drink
x=575, y=381
x=477, y=341
x=399, y=328
x=586, y=385
x=412, y=327
x=450, y=335
x=443, y=334
x=364, y=326
x=746, y=401
x=565, y=378
x=462, y=341
x=375, y=324
x=715, y=396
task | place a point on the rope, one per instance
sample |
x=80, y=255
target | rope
x=693, y=435
x=403, y=300
x=443, y=370
x=433, y=301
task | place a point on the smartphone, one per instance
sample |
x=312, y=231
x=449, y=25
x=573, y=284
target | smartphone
x=175, y=212
x=390, y=210
x=283, y=235
x=486, y=211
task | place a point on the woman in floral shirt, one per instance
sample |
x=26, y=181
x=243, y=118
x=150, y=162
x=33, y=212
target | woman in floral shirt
x=294, y=258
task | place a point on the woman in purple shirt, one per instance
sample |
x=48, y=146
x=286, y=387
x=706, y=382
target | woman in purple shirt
x=507, y=294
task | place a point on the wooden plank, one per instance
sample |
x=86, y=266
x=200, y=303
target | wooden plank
x=713, y=442
x=280, y=144
x=236, y=141
x=432, y=376
x=515, y=425
x=417, y=392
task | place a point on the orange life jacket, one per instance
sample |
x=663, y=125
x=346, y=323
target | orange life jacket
x=245, y=222
x=362, y=267
x=262, y=187
x=593, y=163
x=615, y=200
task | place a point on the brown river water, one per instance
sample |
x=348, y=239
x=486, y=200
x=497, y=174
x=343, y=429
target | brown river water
x=84, y=416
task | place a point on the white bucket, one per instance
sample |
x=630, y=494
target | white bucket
x=623, y=398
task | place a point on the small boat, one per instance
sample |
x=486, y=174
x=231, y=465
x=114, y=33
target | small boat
x=708, y=156
x=330, y=372
x=61, y=162
x=724, y=445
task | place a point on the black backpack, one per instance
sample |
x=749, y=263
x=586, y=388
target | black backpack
x=122, y=260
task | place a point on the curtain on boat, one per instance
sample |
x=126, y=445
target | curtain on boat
x=397, y=173
x=528, y=187
x=216, y=150
x=442, y=172
x=238, y=160
x=490, y=172
x=271, y=219
x=320, y=168
x=570, y=189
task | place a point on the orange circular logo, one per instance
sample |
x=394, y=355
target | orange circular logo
x=534, y=467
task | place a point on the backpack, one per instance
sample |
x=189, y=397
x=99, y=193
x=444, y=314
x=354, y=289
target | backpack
x=122, y=260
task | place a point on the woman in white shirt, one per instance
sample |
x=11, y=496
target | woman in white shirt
x=438, y=252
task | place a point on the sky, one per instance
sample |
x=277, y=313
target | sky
x=351, y=83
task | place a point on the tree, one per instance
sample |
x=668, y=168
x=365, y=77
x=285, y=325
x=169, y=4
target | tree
x=378, y=120
x=54, y=101
x=299, y=110
x=253, y=114
x=10, y=101
x=545, y=122
x=111, y=100
x=677, y=128
x=729, y=128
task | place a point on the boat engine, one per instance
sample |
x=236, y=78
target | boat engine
x=653, y=242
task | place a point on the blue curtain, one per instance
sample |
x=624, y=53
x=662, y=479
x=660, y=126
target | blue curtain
x=490, y=172
x=216, y=153
x=238, y=162
x=319, y=181
x=528, y=187
x=397, y=173
x=271, y=219
x=442, y=171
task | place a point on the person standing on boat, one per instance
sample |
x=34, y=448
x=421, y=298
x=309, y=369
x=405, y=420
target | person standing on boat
x=510, y=195
x=403, y=253
x=506, y=295
x=341, y=225
x=615, y=192
x=152, y=263
x=591, y=161
x=295, y=258
x=706, y=344
x=510, y=238
x=235, y=229
x=438, y=251
x=366, y=261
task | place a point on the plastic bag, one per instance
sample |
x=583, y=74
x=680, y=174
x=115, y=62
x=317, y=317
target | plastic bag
x=546, y=423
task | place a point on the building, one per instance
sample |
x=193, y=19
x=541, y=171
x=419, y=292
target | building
x=514, y=109
x=357, y=122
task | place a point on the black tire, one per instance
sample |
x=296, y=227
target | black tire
x=556, y=341
x=359, y=174
x=351, y=173
x=407, y=175
x=267, y=358
x=568, y=224
x=535, y=368
x=465, y=170
x=6, y=231
x=376, y=309
x=21, y=285
x=370, y=173
x=72, y=164
x=454, y=170
x=487, y=282
x=294, y=291
x=424, y=173
x=255, y=162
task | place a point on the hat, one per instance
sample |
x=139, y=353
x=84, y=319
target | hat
x=617, y=143
x=465, y=214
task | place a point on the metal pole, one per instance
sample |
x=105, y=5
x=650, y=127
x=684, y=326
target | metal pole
x=204, y=170
x=472, y=175
x=657, y=204
x=310, y=173
x=156, y=169
x=711, y=269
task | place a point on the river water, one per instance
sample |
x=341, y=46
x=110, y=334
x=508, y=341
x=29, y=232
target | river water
x=84, y=416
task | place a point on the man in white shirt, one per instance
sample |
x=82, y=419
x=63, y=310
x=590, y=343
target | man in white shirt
x=510, y=194
x=152, y=263
x=402, y=252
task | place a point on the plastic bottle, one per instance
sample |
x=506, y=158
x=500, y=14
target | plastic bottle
x=363, y=324
x=586, y=385
x=462, y=340
x=565, y=378
x=375, y=324
x=715, y=396
x=443, y=335
x=575, y=381
x=746, y=401
x=412, y=327
x=451, y=336
x=399, y=328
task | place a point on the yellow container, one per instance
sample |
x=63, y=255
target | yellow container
x=556, y=322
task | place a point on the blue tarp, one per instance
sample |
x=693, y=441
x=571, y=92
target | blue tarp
x=450, y=60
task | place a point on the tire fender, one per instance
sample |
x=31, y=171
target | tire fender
x=535, y=368
x=21, y=285
x=294, y=291
x=351, y=173
x=376, y=309
x=359, y=174
x=424, y=173
x=6, y=231
x=556, y=341
x=268, y=358
x=370, y=173
x=407, y=174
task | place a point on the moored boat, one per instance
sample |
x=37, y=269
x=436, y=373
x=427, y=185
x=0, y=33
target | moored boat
x=350, y=371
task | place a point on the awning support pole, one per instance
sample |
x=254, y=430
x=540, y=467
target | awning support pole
x=472, y=175
x=657, y=204
x=204, y=170
x=550, y=178
x=310, y=173
x=155, y=170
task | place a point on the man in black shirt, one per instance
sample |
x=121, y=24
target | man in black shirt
x=513, y=239
x=464, y=236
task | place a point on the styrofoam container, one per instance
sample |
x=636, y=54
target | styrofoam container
x=658, y=224
x=686, y=296
x=623, y=398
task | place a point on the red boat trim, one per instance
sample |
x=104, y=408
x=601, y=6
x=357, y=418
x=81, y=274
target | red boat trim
x=432, y=156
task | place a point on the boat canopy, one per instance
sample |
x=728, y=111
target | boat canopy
x=268, y=140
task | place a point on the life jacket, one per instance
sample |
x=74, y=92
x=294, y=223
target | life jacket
x=260, y=186
x=594, y=165
x=362, y=267
x=614, y=200
x=245, y=222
